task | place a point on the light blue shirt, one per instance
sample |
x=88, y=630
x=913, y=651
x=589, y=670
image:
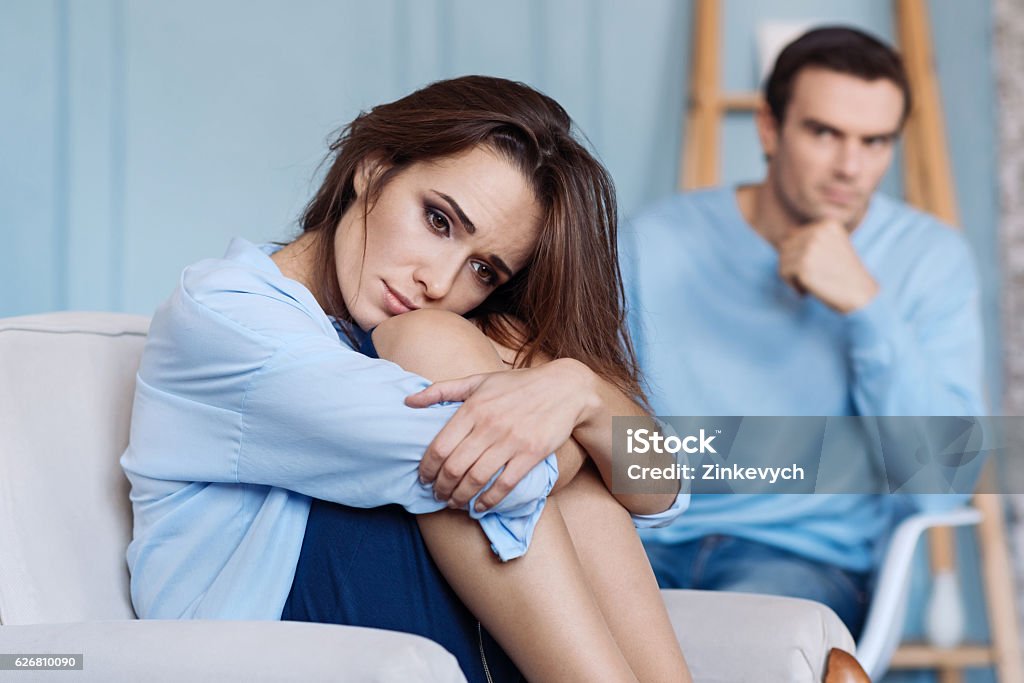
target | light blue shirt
x=719, y=333
x=248, y=404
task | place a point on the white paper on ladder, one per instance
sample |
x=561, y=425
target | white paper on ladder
x=772, y=36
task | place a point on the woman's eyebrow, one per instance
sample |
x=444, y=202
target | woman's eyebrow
x=500, y=265
x=463, y=218
x=498, y=262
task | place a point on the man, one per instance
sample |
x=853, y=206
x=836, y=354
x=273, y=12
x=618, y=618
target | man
x=805, y=294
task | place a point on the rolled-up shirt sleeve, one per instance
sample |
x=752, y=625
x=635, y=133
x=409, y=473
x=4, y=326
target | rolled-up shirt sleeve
x=682, y=499
x=665, y=517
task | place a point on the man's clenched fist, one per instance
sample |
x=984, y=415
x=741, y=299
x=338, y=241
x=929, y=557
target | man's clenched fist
x=819, y=259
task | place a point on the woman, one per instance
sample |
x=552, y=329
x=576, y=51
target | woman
x=266, y=457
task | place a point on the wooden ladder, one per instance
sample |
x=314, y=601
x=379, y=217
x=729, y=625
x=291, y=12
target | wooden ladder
x=928, y=185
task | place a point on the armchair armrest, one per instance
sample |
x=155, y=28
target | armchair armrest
x=884, y=624
x=746, y=637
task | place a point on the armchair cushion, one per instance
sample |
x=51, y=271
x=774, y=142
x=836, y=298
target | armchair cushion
x=171, y=651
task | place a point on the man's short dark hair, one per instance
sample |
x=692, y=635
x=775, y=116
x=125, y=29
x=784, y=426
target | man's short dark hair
x=836, y=48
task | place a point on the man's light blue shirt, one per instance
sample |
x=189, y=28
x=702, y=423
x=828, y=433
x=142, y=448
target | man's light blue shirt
x=248, y=404
x=719, y=333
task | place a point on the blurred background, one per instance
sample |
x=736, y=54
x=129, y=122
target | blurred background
x=138, y=136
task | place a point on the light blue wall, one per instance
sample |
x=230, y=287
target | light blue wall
x=137, y=136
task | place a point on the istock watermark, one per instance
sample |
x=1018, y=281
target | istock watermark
x=852, y=454
x=642, y=441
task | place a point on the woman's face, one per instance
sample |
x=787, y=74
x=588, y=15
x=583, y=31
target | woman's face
x=442, y=234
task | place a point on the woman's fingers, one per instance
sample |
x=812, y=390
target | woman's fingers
x=515, y=470
x=463, y=422
x=448, y=390
x=486, y=466
x=446, y=441
x=524, y=415
x=459, y=461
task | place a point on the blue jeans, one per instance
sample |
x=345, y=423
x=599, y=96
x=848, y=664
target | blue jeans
x=370, y=567
x=729, y=563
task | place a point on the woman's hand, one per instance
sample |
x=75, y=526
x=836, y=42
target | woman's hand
x=511, y=419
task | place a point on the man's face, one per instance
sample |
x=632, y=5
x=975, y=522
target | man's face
x=834, y=145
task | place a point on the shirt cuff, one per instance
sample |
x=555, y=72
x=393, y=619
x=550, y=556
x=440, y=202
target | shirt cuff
x=869, y=329
x=509, y=525
x=665, y=517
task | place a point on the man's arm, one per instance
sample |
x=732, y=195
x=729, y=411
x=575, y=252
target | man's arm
x=919, y=360
x=925, y=360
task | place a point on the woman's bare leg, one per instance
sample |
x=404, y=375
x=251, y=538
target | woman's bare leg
x=538, y=607
x=620, y=577
x=615, y=564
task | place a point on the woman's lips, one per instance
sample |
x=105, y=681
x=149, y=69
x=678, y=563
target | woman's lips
x=395, y=303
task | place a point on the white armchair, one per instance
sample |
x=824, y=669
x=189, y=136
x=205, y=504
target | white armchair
x=66, y=385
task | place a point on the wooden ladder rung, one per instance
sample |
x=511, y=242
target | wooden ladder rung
x=923, y=656
x=740, y=101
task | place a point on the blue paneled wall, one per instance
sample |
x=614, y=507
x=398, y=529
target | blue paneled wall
x=137, y=136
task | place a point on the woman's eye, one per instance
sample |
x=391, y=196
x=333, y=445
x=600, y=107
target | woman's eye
x=437, y=221
x=485, y=273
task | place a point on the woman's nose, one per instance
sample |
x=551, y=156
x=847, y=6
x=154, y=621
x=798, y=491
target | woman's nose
x=437, y=279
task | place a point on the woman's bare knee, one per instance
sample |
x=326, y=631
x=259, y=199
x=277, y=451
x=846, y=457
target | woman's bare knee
x=436, y=344
x=585, y=496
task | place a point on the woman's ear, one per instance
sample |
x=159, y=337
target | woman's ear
x=366, y=171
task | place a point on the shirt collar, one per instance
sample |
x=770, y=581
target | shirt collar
x=258, y=256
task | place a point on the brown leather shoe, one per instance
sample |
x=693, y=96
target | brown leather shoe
x=841, y=667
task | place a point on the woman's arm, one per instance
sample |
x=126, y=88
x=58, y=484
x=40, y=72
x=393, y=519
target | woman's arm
x=597, y=434
x=241, y=383
x=594, y=433
x=570, y=455
x=593, y=400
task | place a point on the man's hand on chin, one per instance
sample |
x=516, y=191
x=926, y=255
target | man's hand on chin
x=819, y=259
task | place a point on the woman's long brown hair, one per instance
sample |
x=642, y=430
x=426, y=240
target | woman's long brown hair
x=569, y=300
